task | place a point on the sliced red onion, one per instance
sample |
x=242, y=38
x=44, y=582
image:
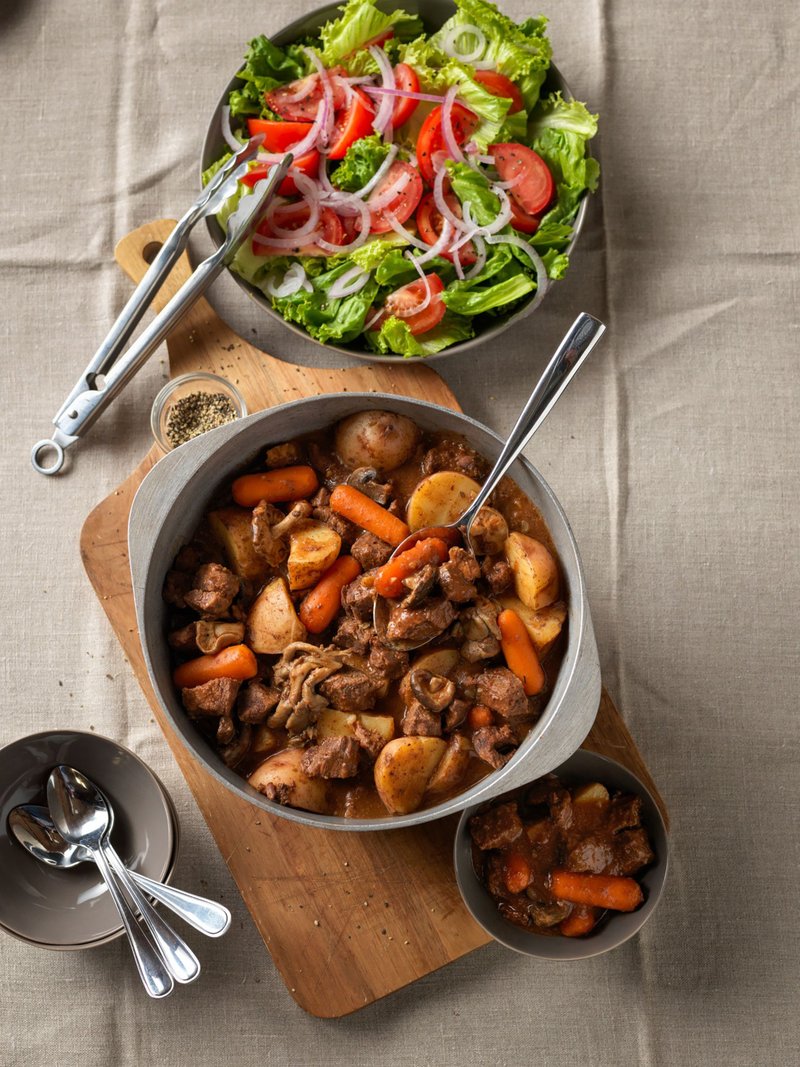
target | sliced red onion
x=293, y=281
x=509, y=184
x=383, y=119
x=442, y=244
x=327, y=94
x=309, y=190
x=362, y=79
x=284, y=242
x=352, y=281
x=457, y=264
x=380, y=90
x=390, y=192
x=441, y=203
x=373, y=318
x=455, y=33
x=303, y=147
x=379, y=173
x=536, y=259
x=406, y=313
x=301, y=94
x=403, y=232
x=447, y=125
x=352, y=206
x=227, y=132
x=480, y=262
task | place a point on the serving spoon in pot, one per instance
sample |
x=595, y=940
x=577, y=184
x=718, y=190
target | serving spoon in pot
x=576, y=345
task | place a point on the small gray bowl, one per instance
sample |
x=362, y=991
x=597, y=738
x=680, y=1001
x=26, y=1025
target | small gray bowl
x=583, y=766
x=434, y=13
x=71, y=909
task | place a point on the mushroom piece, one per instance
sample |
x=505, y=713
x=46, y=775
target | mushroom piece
x=365, y=479
x=488, y=532
x=478, y=624
x=233, y=753
x=433, y=691
x=420, y=585
x=270, y=526
x=212, y=637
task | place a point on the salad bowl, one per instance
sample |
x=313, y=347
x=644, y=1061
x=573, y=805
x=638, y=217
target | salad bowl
x=433, y=14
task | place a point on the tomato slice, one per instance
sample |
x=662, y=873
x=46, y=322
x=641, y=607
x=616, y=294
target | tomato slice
x=404, y=300
x=430, y=142
x=406, y=182
x=430, y=222
x=521, y=220
x=307, y=164
x=499, y=85
x=405, y=78
x=292, y=217
x=535, y=186
x=299, y=100
x=352, y=124
x=278, y=136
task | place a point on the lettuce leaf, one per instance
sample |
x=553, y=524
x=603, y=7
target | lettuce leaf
x=395, y=337
x=476, y=301
x=360, y=21
x=472, y=189
x=361, y=161
x=374, y=251
x=325, y=319
x=265, y=66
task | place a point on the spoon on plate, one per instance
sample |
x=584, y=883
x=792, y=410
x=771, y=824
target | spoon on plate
x=33, y=828
x=576, y=345
x=81, y=815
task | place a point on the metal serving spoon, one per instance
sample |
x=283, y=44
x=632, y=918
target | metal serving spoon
x=81, y=815
x=32, y=826
x=578, y=342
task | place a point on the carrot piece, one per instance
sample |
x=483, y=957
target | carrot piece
x=321, y=605
x=237, y=661
x=519, y=652
x=598, y=890
x=389, y=579
x=358, y=508
x=581, y=921
x=517, y=872
x=480, y=716
x=278, y=486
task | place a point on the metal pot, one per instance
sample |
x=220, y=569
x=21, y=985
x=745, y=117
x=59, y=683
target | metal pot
x=172, y=499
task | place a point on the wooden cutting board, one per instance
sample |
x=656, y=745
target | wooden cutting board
x=348, y=917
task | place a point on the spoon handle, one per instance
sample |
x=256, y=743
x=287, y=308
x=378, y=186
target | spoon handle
x=204, y=915
x=578, y=342
x=180, y=961
x=156, y=979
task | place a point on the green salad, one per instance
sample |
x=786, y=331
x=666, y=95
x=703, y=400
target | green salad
x=433, y=187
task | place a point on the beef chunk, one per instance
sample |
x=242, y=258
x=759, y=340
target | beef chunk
x=285, y=455
x=497, y=827
x=495, y=745
x=353, y=634
x=335, y=757
x=226, y=731
x=234, y=752
x=370, y=741
x=216, y=697
x=350, y=690
x=419, y=722
x=458, y=575
x=358, y=599
x=549, y=913
x=497, y=574
x=502, y=691
x=333, y=472
x=456, y=714
x=348, y=531
x=422, y=623
x=176, y=586
x=625, y=812
x=632, y=851
x=370, y=551
x=592, y=855
x=256, y=701
x=455, y=456
x=495, y=874
x=273, y=549
x=278, y=794
x=387, y=663
x=190, y=557
x=185, y=639
x=213, y=590
x=419, y=585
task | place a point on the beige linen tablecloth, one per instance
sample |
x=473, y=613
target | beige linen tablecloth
x=675, y=454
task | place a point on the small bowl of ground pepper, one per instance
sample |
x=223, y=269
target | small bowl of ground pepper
x=192, y=404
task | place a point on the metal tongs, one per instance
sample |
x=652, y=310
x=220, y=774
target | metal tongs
x=106, y=375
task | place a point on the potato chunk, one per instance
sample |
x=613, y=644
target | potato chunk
x=403, y=770
x=281, y=778
x=593, y=793
x=232, y=526
x=342, y=724
x=544, y=626
x=313, y=546
x=535, y=571
x=440, y=499
x=379, y=439
x=272, y=622
x=452, y=767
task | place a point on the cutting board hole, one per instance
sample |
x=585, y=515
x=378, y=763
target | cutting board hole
x=151, y=250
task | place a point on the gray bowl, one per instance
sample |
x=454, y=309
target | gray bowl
x=434, y=13
x=583, y=766
x=172, y=499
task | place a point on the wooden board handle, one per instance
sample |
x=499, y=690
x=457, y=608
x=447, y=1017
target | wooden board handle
x=136, y=251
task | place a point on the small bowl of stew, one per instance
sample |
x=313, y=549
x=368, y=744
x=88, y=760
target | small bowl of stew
x=569, y=866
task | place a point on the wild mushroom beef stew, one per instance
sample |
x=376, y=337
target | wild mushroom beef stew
x=276, y=657
x=558, y=859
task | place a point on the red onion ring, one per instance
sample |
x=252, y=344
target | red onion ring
x=441, y=203
x=352, y=281
x=303, y=147
x=480, y=262
x=407, y=313
x=310, y=192
x=327, y=94
x=447, y=125
x=227, y=132
x=397, y=186
x=382, y=122
x=530, y=251
x=293, y=281
x=307, y=90
x=282, y=242
x=451, y=38
x=379, y=90
x=403, y=232
x=442, y=244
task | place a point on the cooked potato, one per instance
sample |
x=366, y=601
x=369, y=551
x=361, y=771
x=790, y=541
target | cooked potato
x=272, y=622
x=233, y=528
x=440, y=499
x=535, y=571
x=284, y=772
x=452, y=767
x=403, y=770
x=342, y=724
x=313, y=546
x=379, y=439
x=264, y=741
x=593, y=793
x=543, y=626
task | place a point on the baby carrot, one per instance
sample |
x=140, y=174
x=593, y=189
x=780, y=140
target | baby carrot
x=480, y=716
x=597, y=890
x=358, y=508
x=285, y=483
x=389, y=579
x=519, y=652
x=321, y=605
x=516, y=872
x=581, y=921
x=237, y=661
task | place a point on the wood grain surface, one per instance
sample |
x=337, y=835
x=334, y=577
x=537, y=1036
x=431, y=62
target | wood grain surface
x=348, y=917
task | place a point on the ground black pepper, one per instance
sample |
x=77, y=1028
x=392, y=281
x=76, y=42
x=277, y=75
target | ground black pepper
x=195, y=413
